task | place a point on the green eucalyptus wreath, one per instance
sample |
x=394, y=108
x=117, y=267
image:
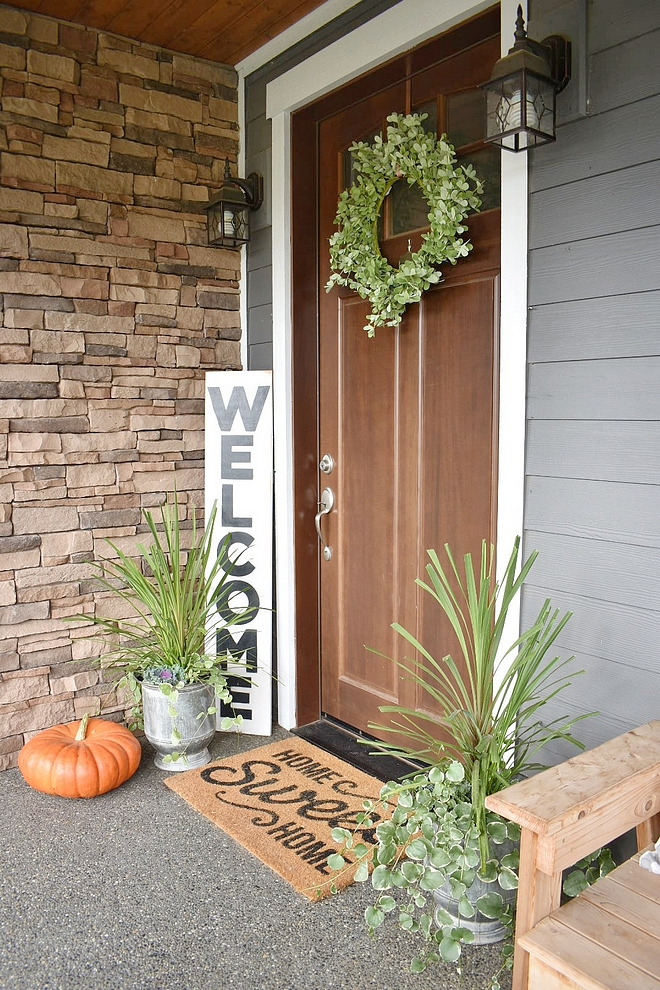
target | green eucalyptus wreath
x=451, y=191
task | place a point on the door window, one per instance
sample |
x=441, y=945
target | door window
x=461, y=117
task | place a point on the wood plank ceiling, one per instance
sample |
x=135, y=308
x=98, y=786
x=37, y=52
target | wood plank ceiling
x=220, y=30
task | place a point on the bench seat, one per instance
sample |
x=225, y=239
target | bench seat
x=608, y=938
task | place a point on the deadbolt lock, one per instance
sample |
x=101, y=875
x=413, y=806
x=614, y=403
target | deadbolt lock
x=327, y=464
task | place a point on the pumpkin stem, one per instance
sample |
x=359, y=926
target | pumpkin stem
x=82, y=729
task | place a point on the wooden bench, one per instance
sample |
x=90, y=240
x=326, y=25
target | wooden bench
x=609, y=936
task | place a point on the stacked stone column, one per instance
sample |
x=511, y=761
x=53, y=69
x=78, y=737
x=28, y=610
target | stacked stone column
x=112, y=308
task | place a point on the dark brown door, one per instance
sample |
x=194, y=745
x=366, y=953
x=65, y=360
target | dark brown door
x=408, y=417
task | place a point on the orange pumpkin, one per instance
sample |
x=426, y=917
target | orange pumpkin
x=82, y=759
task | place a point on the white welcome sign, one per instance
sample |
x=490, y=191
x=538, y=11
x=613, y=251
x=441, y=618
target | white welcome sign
x=239, y=479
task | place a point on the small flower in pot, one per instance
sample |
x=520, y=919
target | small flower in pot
x=174, y=676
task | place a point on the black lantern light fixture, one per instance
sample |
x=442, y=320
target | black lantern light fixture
x=227, y=214
x=520, y=94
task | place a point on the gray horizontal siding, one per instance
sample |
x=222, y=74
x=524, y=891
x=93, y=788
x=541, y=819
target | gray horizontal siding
x=566, y=331
x=613, y=265
x=622, y=573
x=624, y=136
x=618, y=634
x=260, y=356
x=261, y=327
x=624, y=74
x=612, y=389
x=590, y=732
x=260, y=253
x=618, y=512
x=612, y=689
x=259, y=135
x=261, y=286
x=600, y=205
x=614, y=646
x=610, y=25
x=605, y=450
x=592, y=497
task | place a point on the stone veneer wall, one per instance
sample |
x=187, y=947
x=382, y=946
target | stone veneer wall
x=112, y=307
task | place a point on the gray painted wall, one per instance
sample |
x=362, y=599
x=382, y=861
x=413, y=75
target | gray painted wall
x=592, y=501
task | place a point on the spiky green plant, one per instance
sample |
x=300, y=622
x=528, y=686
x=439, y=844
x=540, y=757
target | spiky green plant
x=491, y=704
x=175, y=597
x=432, y=828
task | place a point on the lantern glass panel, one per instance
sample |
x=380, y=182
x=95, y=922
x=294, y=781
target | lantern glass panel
x=520, y=111
x=235, y=223
x=214, y=222
x=228, y=224
x=503, y=103
x=540, y=106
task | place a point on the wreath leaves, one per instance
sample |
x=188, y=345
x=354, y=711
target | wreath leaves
x=450, y=190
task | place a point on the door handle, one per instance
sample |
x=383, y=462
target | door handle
x=325, y=506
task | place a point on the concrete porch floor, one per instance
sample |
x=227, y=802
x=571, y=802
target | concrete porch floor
x=136, y=891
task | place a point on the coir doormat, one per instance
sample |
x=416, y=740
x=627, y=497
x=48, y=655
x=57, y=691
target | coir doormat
x=281, y=801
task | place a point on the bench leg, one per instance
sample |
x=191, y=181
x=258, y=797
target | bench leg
x=538, y=895
x=648, y=832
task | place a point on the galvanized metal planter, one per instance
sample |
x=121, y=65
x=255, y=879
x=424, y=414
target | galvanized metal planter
x=486, y=931
x=196, y=733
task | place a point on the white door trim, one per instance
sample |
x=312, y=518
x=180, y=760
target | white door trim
x=403, y=26
x=302, y=29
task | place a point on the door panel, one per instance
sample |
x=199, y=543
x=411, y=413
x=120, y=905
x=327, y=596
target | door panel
x=457, y=439
x=410, y=423
x=409, y=417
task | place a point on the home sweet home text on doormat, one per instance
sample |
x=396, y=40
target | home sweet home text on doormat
x=281, y=802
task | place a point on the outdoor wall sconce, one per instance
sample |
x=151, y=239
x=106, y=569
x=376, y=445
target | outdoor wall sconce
x=227, y=214
x=520, y=94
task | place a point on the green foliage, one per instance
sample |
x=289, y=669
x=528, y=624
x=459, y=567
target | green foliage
x=435, y=830
x=451, y=192
x=174, y=598
x=598, y=864
x=427, y=839
x=492, y=702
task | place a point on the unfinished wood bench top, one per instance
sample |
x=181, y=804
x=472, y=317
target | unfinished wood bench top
x=565, y=813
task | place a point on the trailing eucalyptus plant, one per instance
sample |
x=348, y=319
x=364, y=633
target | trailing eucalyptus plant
x=594, y=866
x=437, y=834
x=427, y=859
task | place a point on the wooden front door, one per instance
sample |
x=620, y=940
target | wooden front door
x=407, y=419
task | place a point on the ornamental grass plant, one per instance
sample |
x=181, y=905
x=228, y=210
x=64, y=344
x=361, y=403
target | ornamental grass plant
x=176, y=599
x=437, y=845
x=493, y=703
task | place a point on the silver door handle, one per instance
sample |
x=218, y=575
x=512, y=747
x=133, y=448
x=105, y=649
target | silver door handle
x=325, y=506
